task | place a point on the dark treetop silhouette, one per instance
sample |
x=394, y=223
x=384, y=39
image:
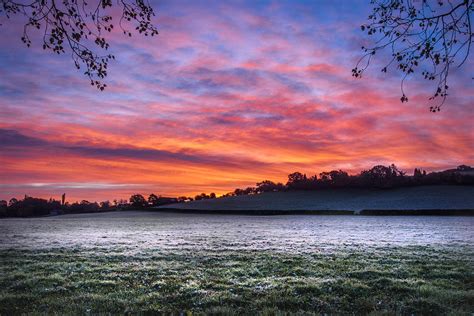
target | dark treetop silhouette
x=435, y=35
x=75, y=25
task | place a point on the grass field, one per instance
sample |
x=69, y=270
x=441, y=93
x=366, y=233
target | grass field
x=135, y=262
x=388, y=280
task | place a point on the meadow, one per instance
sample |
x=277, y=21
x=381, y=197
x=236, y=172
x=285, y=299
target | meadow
x=135, y=262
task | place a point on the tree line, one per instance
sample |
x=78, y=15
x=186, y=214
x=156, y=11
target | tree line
x=378, y=177
x=31, y=206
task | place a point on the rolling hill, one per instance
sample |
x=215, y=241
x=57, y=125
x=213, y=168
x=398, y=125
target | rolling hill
x=442, y=198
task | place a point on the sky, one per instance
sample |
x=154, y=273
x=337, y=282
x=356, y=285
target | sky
x=228, y=94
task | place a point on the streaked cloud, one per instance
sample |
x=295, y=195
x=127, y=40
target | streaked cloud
x=228, y=94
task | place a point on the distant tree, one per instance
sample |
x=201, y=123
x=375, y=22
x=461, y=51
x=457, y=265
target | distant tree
x=121, y=203
x=137, y=200
x=75, y=25
x=184, y=199
x=418, y=173
x=296, y=177
x=381, y=176
x=165, y=200
x=202, y=196
x=266, y=186
x=418, y=176
x=3, y=208
x=339, y=178
x=12, y=201
x=212, y=195
x=89, y=206
x=84, y=207
x=324, y=177
x=297, y=180
x=30, y=206
x=105, y=205
x=153, y=199
x=249, y=190
x=334, y=178
x=238, y=192
x=434, y=35
x=464, y=168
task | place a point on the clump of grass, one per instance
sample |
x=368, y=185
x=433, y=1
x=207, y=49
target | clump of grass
x=403, y=280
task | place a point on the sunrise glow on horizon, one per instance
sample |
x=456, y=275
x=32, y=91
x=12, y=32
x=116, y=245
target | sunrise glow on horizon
x=227, y=95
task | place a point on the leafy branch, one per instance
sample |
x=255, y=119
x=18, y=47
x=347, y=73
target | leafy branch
x=75, y=25
x=434, y=35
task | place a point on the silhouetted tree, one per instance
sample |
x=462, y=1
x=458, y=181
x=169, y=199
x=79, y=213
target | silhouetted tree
x=249, y=190
x=238, y=192
x=202, y=196
x=339, y=178
x=184, y=199
x=121, y=204
x=417, y=173
x=324, y=177
x=12, y=201
x=105, y=205
x=434, y=35
x=212, y=195
x=268, y=186
x=3, y=208
x=75, y=25
x=166, y=200
x=464, y=168
x=84, y=207
x=153, y=199
x=381, y=176
x=137, y=200
x=334, y=178
x=296, y=177
x=30, y=206
x=297, y=180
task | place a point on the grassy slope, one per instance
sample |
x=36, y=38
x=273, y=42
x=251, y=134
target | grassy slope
x=414, y=198
x=404, y=280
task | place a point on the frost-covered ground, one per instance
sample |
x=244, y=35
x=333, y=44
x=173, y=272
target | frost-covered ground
x=134, y=262
x=413, y=198
x=136, y=231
